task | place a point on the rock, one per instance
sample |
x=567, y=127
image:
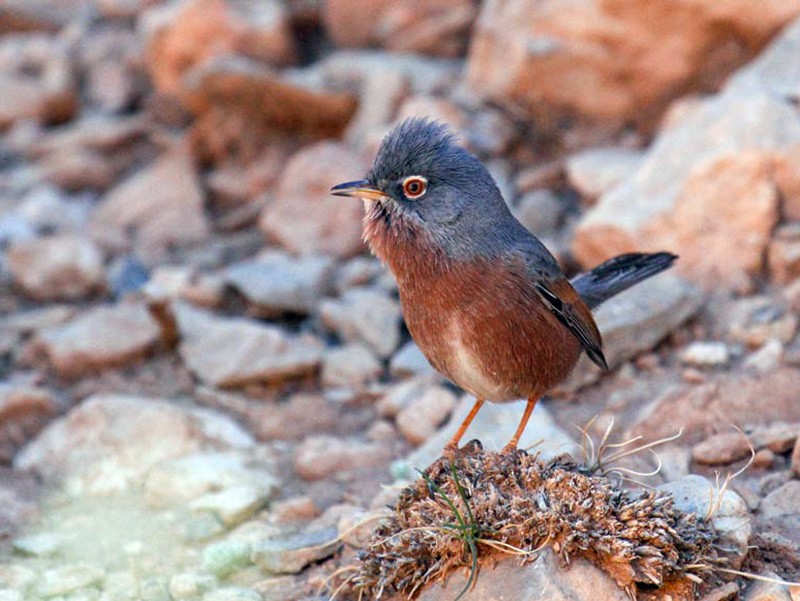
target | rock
x=783, y=256
x=409, y=361
x=722, y=449
x=102, y=337
x=491, y=132
x=705, y=354
x=543, y=579
x=636, y=320
x=300, y=415
x=19, y=506
x=351, y=365
x=778, y=437
x=68, y=578
x=304, y=218
x=493, y=426
x=232, y=593
x=540, y=211
x=226, y=557
x=239, y=105
x=111, y=59
x=420, y=418
x=290, y=555
x=176, y=481
x=24, y=411
x=762, y=590
x=97, y=135
x=232, y=351
x=727, y=511
x=364, y=315
x=234, y=504
x=108, y=443
x=438, y=27
x=190, y=585
x=277, y=283
x=766, y=358
x=36, y=76
x=185, y=34
x=755, y=320
x=751, y=399
x=782, y=501
x=57, y=267
x=596, y=171
x=319, y=456
x=722, y=150
x=431, y=107
x=382, y=92
x=358, y=271
x=156, y=207
x=726, y=592
x=82, y=169
x=44, y=544
x=520, y=51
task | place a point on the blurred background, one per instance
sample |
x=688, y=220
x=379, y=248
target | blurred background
x=204, y=375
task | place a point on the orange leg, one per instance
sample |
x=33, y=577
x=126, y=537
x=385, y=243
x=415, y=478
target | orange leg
x=452, y=446
x=512, y=444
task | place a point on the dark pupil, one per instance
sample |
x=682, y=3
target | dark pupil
x=414, y=187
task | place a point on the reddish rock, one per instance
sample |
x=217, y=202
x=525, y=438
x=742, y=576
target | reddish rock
x=437, y=27
x=752, y=399
x=36, y=79
x=24, y=411
x=703, y=183
x=102, y=337
x=58, y=267
x=240, y=105
x=318, y=457
x=184, y=34
x=156, y=207
x=633, y=58
x=304, y=218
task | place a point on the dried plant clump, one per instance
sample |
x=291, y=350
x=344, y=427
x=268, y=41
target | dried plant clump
x=483, y=505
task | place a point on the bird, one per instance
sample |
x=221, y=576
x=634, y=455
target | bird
x=482, y=297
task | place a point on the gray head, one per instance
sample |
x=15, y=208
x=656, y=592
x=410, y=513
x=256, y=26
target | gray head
x=422, y=180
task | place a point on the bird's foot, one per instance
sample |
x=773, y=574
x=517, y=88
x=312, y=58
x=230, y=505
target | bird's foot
x=510, y=448
x=450, y=450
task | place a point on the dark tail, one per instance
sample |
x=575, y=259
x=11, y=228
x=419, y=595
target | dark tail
x=620, y=273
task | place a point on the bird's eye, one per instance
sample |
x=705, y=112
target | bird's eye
x=414, y=186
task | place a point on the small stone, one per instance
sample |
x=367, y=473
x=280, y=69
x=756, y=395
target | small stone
x=277, y=283
x=232, y=505
x=292, y=554
x=420, y=419
x=190, y=585
x=351, y=365
x=398, y=396
x=766, y=358
x=365, y=315
x=69, y=578
x=317, y=457
x=226, y=557
x=595, y=171
x=102, y=337
x=540, y=211
x=727, y=511
x=156, y=207
x=754, y=321
x=232, y=351
x=232, y=593
x=726, y=592
x=705, y=354
x=782, y=501
x=304, y=218
x=722, y=449
x=779, y=437
x=57, y=267
x=764, y=459
x=38, y=545
x=24, y=411
x=783, y=256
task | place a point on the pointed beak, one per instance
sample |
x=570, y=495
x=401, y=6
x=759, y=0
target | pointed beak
x=358, y=189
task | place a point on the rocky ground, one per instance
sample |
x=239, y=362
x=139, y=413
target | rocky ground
x=206, y=388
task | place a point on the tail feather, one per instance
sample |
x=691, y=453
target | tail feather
x=620, y=273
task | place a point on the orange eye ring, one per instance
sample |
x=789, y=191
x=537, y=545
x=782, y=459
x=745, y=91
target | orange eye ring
x=415, y=186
